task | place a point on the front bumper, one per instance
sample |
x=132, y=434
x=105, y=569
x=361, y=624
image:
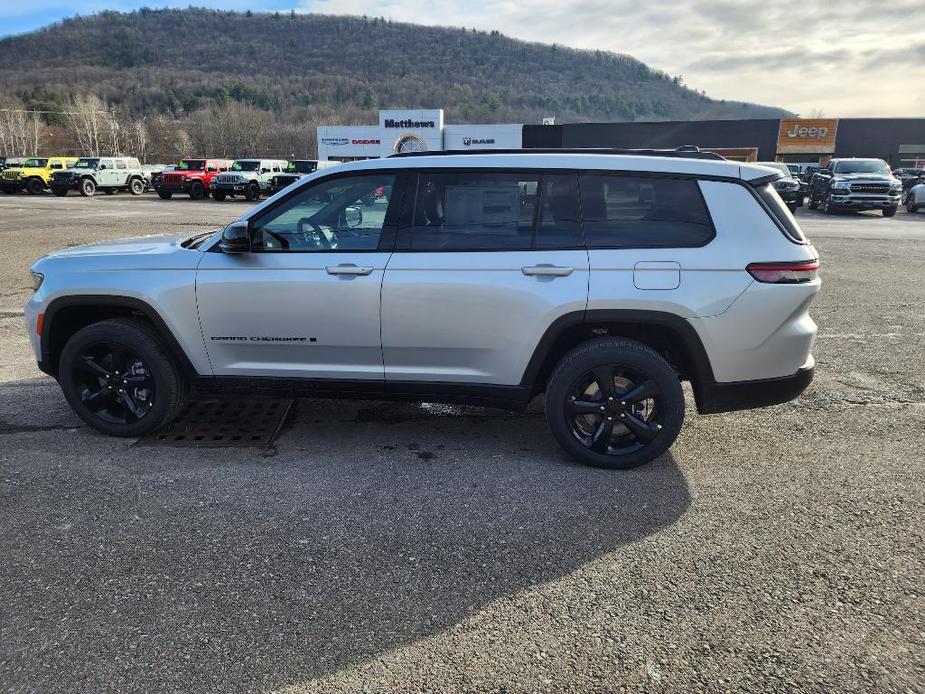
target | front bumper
x=162, y=187
x=713, y=398
x=864, y=201
x=8, y=185
x=230, y=188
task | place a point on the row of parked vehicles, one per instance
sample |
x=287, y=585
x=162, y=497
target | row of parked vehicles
x=197, y=178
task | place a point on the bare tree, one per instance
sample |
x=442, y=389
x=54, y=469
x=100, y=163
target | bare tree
x=21, y=130
x=92, y=124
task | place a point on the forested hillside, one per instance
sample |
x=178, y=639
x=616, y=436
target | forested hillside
x=308, y=68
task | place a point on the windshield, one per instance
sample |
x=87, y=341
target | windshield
x=874, y=166
x=245, y=166
x=191, y=165
x=301, y=167
x=35, y=163
x=85, y=163
x=779, y=166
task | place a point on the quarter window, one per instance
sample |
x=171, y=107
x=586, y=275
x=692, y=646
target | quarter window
x=340, y=214
x=621, y=211
x=120, y=164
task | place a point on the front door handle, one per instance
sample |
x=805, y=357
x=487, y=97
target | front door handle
x=348, y=269
x=544, y=270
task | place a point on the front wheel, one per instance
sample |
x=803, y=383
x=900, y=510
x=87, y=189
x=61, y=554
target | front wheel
x=889, y=211
x=59, y=192
x=792, y=206
x=87, y=187
x=120, y=379
x=911, y=207
x=218, y=196
x=197, y=191
x=812, y=202
x=827, y=206
x=164, y=195
x=252, y=192
x=614, y=403
x=35, y=186
x=136, y=187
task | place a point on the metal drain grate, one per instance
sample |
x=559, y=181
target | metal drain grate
x=223, y=423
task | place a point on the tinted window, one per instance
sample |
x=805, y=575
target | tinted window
x=120, y=164
x=340, y=214
x=643, y=212
x=492, y=210
x=780, y=213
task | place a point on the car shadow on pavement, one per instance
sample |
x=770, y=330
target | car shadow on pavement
x=370, y=526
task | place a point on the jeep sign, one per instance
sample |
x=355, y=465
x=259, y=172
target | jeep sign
x=807, y=135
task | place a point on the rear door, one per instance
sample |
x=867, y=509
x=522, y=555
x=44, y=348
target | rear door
x=486, y=261
x=305, y=302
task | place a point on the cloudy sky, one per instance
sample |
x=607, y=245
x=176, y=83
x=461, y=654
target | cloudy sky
x=854, y=58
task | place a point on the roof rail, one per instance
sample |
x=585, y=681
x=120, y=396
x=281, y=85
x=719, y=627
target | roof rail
x=683, y=152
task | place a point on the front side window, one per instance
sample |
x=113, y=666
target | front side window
x=86, y=163
x=346, y=213
x=191, y=165
x=106, y=164
x=35, y=163
x=625, y=211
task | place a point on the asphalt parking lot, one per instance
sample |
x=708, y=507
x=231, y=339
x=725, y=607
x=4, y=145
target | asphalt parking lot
x=396, y=547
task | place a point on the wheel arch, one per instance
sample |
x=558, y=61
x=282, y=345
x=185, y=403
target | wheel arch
x=66, y=315
x=668, y=334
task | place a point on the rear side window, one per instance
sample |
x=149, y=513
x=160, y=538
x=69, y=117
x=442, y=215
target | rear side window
x=494, y=211
x=779, y=213
x=622, y=211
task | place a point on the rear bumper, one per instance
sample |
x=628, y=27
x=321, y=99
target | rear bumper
x=747, y=395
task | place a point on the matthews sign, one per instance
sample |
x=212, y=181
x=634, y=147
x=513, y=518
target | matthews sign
x=807, y=135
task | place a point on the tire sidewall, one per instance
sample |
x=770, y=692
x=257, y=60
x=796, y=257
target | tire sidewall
x=637, y=357
x=165, y=375
x=197, y=190
x=87, y=188
x=252, y=192
x=136, y=187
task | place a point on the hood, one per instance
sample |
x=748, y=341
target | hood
x=142, y=245
x=863, y=176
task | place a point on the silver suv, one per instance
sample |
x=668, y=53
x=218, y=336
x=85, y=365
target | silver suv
x=600, y=280
x=108, y=174
x=248, y=177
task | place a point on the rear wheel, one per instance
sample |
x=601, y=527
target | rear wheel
x=136, y=187
x=614, y=403
x=197, y=191
x=218, y=196
x=120, y=379
x=35, y=186
x=252, y=192
x=87, y=187
x=889, y=211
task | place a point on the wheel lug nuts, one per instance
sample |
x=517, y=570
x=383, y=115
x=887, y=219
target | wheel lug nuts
x=623, y=403
x=610, y=419
x=603, y=408
x=610, y=399
x=622, y=415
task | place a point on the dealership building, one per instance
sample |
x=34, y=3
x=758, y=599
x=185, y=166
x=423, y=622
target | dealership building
x=899, y=141
x=411, y=131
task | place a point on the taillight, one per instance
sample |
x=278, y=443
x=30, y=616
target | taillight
x=784, y=273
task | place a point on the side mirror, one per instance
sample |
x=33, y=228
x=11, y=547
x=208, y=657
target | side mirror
x=236, y=238
x=102, y=167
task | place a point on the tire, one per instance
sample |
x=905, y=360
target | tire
x=159, y=391
x=87, y=187
x=252, y=192
x=911, y=207
x=35, y=186
x=218, y=196
x=792, y=206
x=136, y=186
x=889, y=211
x=59, y=192
x=164, y=195
x=629, y=364
x=197, y=191
x=827, y=205
x=812, y=202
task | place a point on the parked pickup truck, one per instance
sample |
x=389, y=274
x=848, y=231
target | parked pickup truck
x=34, y=175
x=191, y=176
x=248, y=177
x=855, y=184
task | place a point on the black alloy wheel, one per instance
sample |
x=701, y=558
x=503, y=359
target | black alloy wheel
x=197, y=191
x=113, y=383
x=252, y=192
x=614, y=403
x=35, y=186
x=120, y=378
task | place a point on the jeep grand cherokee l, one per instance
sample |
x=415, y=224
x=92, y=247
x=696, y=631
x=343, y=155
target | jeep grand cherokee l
x=601, y=280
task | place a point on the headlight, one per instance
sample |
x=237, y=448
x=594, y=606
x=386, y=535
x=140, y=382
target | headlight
x=37, y=279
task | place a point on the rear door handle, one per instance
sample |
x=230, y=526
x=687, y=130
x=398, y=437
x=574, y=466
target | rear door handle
x=544, y=270
x=348, y=269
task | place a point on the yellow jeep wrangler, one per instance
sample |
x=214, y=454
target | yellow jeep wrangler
x=34, y=175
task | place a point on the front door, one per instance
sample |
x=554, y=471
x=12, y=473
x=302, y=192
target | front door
x=486, y=261
x=305, y=302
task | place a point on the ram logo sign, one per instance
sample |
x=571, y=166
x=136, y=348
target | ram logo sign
x=810, y=135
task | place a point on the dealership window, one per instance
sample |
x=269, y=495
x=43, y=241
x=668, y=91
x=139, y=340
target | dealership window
x=491, y=211
x=346, y=213
x=622, y=211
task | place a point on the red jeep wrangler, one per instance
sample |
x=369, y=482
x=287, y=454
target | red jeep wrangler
x=191, y=176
